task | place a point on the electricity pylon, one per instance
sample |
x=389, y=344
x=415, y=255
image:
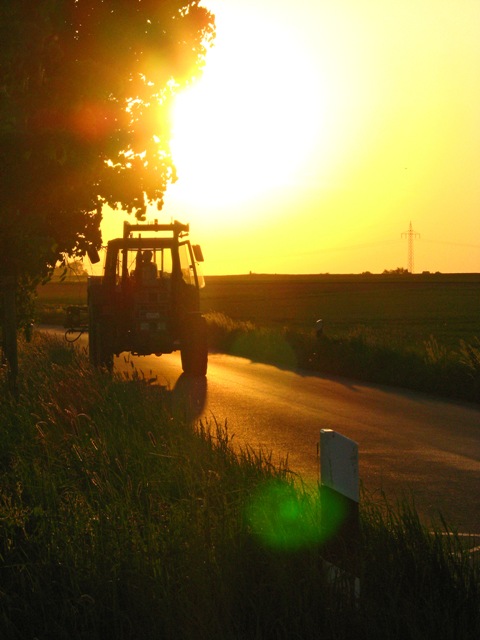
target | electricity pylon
x=410, y=235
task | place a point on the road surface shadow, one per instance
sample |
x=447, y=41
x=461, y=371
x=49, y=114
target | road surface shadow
x=189, y=396
x=185, y=401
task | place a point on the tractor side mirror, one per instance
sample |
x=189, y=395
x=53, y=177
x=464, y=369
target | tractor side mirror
x=197, y=252
x=92, y=253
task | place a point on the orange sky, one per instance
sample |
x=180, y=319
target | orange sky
x=321, y=129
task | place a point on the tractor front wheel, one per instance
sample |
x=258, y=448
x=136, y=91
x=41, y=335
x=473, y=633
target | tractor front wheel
x=100, y=352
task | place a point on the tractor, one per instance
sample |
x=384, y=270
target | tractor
x=148, y=299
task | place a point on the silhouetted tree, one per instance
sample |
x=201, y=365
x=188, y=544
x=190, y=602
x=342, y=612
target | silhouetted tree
x=85, y=88
x=399, y=271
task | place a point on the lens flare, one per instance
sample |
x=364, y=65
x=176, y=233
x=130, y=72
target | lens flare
x=283, y=518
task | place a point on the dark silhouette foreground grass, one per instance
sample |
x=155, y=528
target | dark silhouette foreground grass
x=120, y=518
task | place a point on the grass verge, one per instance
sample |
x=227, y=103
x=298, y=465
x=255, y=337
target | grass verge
x=119, y=518
x=361, y=353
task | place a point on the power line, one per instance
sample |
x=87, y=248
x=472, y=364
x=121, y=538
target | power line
x=453, y=244
x=410, y=235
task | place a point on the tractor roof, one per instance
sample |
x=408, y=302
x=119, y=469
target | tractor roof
x=175, y=228
x=171, y=233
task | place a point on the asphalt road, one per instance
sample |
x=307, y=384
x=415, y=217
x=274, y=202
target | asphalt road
x=411, y=445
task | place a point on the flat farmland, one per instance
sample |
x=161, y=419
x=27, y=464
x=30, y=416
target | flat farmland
x=62, y=293
x=413, y=308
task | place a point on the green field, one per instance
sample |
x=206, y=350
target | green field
x=411, y=308
x=415, y=307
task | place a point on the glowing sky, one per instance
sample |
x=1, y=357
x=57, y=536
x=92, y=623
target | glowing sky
x=321, y=129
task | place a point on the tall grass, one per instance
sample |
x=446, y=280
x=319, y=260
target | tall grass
x=375, y=356
x=120, y=518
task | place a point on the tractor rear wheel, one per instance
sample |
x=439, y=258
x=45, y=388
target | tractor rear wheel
x=194, y=347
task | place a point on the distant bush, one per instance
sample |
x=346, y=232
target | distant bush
x=399, y=271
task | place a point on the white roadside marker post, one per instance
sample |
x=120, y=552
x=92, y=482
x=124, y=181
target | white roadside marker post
x=340, y=496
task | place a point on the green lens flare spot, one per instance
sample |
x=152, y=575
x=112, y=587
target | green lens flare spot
x=283, y=518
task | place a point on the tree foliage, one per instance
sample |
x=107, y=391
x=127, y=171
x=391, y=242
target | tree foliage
x=399, y=271
x=85, y=88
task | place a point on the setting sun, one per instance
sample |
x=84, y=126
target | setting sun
x=318, y=131
x=249, y=124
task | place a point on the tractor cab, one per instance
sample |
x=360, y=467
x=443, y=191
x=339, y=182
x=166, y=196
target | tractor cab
x=142, y=260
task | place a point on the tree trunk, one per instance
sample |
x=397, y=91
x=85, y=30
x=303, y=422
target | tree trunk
x=9, y=289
